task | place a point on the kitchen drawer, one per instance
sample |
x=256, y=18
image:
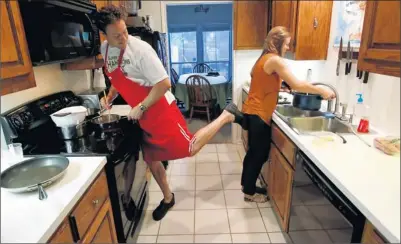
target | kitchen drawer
x=90, y=204
x=371, y=235
x=284, y=144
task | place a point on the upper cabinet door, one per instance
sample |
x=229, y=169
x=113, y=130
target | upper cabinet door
x=250, y=24
x=313, y=30
x=16, y=71
x=380, y=43
x=309, y=24
x=284, y=13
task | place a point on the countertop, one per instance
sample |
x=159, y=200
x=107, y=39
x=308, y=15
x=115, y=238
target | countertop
x=369, y=178
x=26, y=219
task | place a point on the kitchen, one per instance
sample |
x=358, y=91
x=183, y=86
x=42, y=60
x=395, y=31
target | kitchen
x=383, y=89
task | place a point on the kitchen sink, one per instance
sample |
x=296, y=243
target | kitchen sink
x=288, y=111
x=316, y=124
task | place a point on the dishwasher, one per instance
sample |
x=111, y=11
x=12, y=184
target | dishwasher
x=320, y=213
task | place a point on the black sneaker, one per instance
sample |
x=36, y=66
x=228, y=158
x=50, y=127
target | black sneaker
x=162, y=209
x=233, y=109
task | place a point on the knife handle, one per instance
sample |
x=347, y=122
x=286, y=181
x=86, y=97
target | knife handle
x=349, y=67
x=346, y=68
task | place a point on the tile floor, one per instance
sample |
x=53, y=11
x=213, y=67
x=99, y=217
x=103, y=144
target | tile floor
x=210, y=207
x=209, y=204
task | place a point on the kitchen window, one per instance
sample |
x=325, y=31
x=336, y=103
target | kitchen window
x=203, y=44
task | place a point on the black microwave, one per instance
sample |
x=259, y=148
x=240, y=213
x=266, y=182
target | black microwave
x=59, y=31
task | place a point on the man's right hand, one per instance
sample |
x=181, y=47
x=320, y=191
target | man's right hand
x=105, y=103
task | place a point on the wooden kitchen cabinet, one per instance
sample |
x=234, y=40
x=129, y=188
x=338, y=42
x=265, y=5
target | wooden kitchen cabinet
x=286, y=146
x=309, y=24
x=371, y=235
x=102, y=229
x=250, y=24
x=91, y=220
x=380, y=42
x=16, y=72
x=280, y=186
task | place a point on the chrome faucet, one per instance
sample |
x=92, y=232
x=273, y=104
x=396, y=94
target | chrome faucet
x=330, y=102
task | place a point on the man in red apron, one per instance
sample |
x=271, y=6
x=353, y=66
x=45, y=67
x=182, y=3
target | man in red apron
x=137, y=74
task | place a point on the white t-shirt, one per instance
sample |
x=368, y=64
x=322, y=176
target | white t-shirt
x=140, y=63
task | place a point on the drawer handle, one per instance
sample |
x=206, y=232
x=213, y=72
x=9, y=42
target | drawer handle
x=95, y=202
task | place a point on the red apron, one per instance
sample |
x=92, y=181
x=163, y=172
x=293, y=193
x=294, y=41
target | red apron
x=166, y=136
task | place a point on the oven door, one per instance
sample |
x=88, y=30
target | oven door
x=131, y=185
x=56, y=33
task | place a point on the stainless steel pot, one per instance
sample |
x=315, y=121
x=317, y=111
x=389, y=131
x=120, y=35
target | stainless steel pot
x=35, y=173
x=107, y=121
x=72, y=132
x=306, y=101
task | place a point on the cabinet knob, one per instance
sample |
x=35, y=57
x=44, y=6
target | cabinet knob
x=315, y=22
x=95, y=202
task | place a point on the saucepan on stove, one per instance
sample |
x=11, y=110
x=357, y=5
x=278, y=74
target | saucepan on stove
x=33, y=174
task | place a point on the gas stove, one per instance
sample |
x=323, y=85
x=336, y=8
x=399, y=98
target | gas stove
x=30, y=124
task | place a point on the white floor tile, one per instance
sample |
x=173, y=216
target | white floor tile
x=211, y=238
x=265, y=205
x=235, y=199
x=154, y=199
x=188, y=160
x=250, y=238
x=279, y=237
x=207, y=158
x=211, y=222
x=210, y=200
x=176, y=239
x=231, y=182
x=184, y=200
x=230, y=168
x=146, y=239
x=229, y=157
x=245, y=221
x=270, y=220
x=209, y=148
x=177, y=223
x=182, y=183
x=224, y=148
x=208, y=183
x=182, y=169
x=208, y=169
x=148, y=226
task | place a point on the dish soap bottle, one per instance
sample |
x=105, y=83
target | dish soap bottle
x=362, y=111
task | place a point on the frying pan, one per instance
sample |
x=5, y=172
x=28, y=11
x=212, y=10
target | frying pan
x=35, y=173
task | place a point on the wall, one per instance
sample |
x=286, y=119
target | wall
x=49, y=79
x=382, y=93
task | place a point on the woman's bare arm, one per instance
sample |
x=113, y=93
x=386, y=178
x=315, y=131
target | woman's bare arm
x=277, y=65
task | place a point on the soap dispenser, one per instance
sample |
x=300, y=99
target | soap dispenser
x=361, y=111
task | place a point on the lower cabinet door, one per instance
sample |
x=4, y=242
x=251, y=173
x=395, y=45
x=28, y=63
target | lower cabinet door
x=280, y=186
x=102, y=229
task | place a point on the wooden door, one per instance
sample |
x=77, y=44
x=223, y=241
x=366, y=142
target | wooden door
x=380, y=41
x=102, y=229
x=16, y=72
x=280, y=186
x=284, y=13
x=313, y=30
x=250, y=24
x=63, y=234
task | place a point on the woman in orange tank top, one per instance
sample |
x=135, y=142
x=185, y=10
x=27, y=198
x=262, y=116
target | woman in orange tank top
x=267, y=75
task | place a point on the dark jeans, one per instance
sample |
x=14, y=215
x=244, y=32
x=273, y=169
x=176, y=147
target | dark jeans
x=259, y=139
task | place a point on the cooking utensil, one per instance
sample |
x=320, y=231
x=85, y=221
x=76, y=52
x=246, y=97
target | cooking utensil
x=72, y=132
x=62, y=114
x=35, y=173
x=347, y=64
x=306, y=101
x=76, y=116
x=107, y=122
x=340, y=50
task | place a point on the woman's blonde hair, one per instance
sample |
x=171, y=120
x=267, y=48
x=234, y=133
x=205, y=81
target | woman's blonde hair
x=274, y=41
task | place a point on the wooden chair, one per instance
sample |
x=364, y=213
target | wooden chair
x=200, y=96
x=174, y=80
x=201, y=68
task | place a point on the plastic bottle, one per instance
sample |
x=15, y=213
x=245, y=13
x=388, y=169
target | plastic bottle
x=362, y=111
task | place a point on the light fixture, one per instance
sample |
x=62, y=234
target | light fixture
x=200, y=8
